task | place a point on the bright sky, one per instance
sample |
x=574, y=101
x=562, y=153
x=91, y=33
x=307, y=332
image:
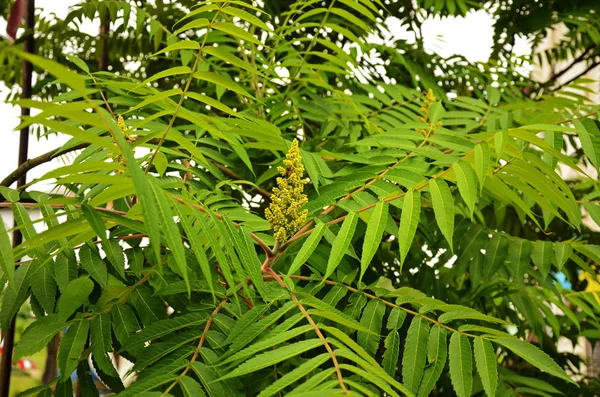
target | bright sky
x=445, y=36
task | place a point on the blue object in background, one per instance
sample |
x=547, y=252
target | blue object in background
x=562, y=280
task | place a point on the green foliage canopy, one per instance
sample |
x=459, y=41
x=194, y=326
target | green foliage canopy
x=436, y=227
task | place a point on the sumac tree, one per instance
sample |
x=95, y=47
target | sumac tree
x=421, y=256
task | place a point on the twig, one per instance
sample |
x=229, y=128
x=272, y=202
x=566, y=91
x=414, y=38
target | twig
x=315, y=326
x=186, y=88
x=231, y=173
x=580, y=58
x=592, y=66
x=198, y=347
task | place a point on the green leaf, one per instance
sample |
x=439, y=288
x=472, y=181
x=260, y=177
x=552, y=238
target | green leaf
x=437, y=353
x=250, y=260
x=294, y=375
x=466, y=180
x=143, y=386
x=65, y=270
x=230, y=58
x=415, y=353
x=269, y=342
x=468, y=314
x=194, y=24
x=7, y=260
x=37, y=335
x=101, y=343
x=174, y=71
x=208, y=378
x=372, y=319
x=27, y=230
x=500, y=141
x=171, y=231
x=594, y=211
x=396, y=318
x=520, y=257
x=443, y=207
x=75, y=295
x=308, y=247
x=64, y=389
x=101, y=334
x=180, y=45
x=533, y=355
x=248, y=319
x=149, y=306
x=162, y=328
x=496, y=252
x=589, y=136
x=482, y=162
x=44, y=287
x=222, y=81
x=370, y=376
x=115, y=256
x=542, y=256
x=485, y=360
x=341, y=242
x=144, y=194
x=392, y=352
x=363, y=358
x=191, y=388
x=373, y=235
x=86, y=383
x=157, y=351
x=248, y=334
x=461, y=364
x=161, y=163
x=332, y=313
x=212, y=103
x=13, y=298
x=95, y=220
x=63, y=74
x=273, y=357
x=237, y=32
x=196, y=246
x=563, y=252
x=80, y=63
x=124, y=322
x=409, y=221
x=71, y=347
x=92, y=263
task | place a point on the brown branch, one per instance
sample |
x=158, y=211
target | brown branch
x=34, y=162
x=580, y=58
x=104, y=33
x=585, y=71
x=52, y=154
x=231, y=173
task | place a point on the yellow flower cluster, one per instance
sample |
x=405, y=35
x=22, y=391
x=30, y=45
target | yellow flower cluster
x=429, y=100
x=122, y=125
x=285, y=214
x=118, y=158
